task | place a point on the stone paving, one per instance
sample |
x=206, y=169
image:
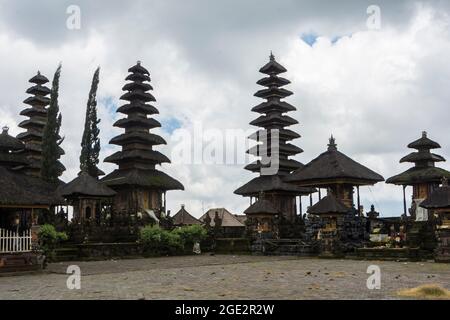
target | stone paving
x=225, y=277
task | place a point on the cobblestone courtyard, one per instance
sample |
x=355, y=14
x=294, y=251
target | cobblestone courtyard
x=225, y=277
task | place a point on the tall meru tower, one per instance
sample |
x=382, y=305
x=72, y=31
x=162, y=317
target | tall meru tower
x=139, y=185
x=273, y=120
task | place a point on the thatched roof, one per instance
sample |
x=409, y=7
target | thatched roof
x=261, y=206
x=228, y=219
x=424, y=143
x=272, y=67
x=327, y=205
x=184, y=218
x=8, y=142
x=23, y=190
x=270, y=183
x=439, y=198
x=419, y=175
x=332, y=166
x=153, y=179
x=85, y=185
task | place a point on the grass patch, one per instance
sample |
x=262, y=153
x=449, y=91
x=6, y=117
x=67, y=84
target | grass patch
x=427, y=291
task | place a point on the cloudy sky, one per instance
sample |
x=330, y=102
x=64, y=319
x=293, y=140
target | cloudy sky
x=374, y=90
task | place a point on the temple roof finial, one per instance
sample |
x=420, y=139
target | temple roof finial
x=332, y=146
x=5, y=130
x=138, y=62
x=424, y=134
x=272, y=57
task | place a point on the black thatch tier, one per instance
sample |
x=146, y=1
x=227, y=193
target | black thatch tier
x=38, y=90
x=30, y=135
x=148, y=123
x=422, y=156
x=139, y=69
x=273, y=105
x=273, y=93
x=271, y=184
x=424, y=143
x=182, y=217
x=137, y=106
x=138, y=95
x=261, y=206
x=138, y=137
x=131, y=86
x=85, y=185
x=31, y=112
x=38, y=79
x=33, y=122
x=9, y=143
x=274, y=120
x=439, y=198
x=37, y=101
x=328, y=205
x=284, y=134
x=152, y=156
x=283, y=149
x=334, y=166
x=285, y=164
x=419, y=175
x=272, y=67
x=22, y=190
x=273, y=81
x=153, y=179
x=138, y=77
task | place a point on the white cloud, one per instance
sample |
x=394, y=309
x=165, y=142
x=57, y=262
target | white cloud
x=375, y=91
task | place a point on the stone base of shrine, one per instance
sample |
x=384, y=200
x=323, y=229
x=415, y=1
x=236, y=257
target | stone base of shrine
x=282, y=247
x=390, y=254
x=21, y=262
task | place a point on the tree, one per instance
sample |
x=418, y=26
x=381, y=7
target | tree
x=51, y=151
x=90, y=143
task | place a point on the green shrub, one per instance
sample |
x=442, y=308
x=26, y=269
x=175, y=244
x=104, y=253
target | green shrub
x=191, y=234
x=49, y=239
x=159, y=241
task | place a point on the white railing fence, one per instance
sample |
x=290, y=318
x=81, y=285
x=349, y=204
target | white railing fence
x=11, y=241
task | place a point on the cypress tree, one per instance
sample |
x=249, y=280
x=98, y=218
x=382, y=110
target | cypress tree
x=51, y=150
x=90, y=143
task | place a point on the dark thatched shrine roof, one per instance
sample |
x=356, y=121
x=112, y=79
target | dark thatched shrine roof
x=273, y=81
x=182, y=217
x=439, y=198
x=8, y=142
x=261, y=206
x=273, y=105
x=138, y=68
x=327, y=205
x=152, y=179
x=332, y=166
x=138, y=106
x=86, y=185
x=38, y=79
x=140, y=137
x=422, y=156
x=270, y=183
x=149, y=155
x=289, y=164
x=424, y=143
x=18, y=189
x=419, y=175
x=272, y=67
x=137, y=121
